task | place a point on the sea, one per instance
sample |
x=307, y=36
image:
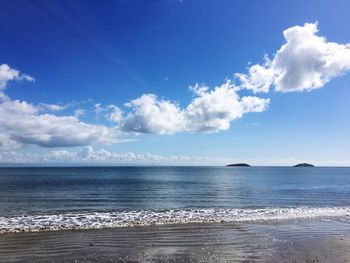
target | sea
x=71, y=198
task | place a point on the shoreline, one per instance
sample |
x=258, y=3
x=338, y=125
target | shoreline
x=117, y=219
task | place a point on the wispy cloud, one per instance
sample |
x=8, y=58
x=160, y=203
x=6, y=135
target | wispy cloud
x=52, y=107
x=8, y=74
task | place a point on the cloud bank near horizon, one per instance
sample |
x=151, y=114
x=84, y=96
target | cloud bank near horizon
x=305, y=62
x=91, y=156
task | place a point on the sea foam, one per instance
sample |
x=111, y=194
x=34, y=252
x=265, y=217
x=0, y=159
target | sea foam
x=97, y=220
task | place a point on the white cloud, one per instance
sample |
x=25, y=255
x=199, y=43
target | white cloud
x=21, y=123
x=259, y=78
x=210, y=111
x=150, y=115
x=305, y=62
x=254, y=104
x=110, y=112
x=7, y=74
x=214, y=110
x=115, y=114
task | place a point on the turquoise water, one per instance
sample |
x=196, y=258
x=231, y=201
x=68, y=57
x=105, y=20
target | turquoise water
x=33, y=199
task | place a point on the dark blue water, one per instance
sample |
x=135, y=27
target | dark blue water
x=62, y=190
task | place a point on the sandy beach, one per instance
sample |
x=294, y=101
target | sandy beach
x=291, y=242
x=333, y=249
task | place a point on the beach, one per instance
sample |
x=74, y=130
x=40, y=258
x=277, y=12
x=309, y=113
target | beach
x=303, y=241
x=175, y=214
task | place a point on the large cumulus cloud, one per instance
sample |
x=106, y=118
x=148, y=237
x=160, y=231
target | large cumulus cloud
x=305, y=62
x=209, y=111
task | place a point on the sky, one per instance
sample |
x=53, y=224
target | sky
x=168, y=82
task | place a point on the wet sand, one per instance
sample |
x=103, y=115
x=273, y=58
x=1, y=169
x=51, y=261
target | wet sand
x=306, y=242
x=333, y=249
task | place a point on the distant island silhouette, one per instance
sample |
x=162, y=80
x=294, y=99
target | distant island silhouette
x=304, y=165
x=239, y=164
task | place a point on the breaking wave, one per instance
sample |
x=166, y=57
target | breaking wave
x=97, y=220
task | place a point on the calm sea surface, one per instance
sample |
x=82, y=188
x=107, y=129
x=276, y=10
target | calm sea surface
x=91, y=197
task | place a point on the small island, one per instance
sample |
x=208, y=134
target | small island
x=239, y=164
x=304, y=165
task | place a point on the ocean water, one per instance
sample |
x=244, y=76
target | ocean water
x=41, y=199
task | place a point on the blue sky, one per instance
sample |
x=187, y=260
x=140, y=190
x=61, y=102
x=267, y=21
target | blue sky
x=75, y=64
